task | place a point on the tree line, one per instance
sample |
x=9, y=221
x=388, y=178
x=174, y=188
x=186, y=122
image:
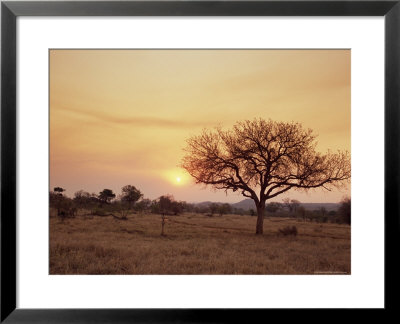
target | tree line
x=294, y=209
x=131, y=200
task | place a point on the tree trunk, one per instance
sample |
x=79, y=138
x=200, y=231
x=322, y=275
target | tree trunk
x=260, y=218
x=162, y=224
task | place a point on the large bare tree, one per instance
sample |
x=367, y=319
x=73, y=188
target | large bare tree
x=263, y=159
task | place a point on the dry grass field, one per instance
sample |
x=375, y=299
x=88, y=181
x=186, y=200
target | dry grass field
x=196, y=244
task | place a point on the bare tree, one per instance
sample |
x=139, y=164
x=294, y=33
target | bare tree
x=291, y=204
x=263, y=159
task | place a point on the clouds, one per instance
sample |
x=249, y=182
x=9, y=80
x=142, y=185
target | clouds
x=139, y=121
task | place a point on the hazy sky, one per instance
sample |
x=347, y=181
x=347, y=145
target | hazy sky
x=121, y=117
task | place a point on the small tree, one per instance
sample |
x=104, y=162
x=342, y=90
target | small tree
x=155, y=207
x=106, y=196
x=143, y=205
x=64, y=205
x=177, y=207
x=120, y=207
x=273, y=207
x=345, y=210
x=301, y=212
x=66, y=208
x=59, y=190
x=263, y=159
x=93, y=202
x=165, y=205
x=291, y=204
x=82, y=199
x=213, y=208
x=130, y=195
x=57, y=199
x=224, y=209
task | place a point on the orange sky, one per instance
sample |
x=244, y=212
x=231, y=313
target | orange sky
x=121, y=117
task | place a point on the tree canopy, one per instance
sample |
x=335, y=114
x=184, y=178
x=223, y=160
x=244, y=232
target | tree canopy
x=59, y=190
x=106, y=196
x=130, y=194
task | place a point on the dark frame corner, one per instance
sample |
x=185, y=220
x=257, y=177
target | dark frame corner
x=10, y=10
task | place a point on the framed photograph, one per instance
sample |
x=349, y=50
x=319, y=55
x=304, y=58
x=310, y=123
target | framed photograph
x=191, y=161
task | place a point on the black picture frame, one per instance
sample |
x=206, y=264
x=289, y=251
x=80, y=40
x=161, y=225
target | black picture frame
x=10, y=10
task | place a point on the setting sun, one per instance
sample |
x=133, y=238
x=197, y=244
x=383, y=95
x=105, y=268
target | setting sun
x=176, y=176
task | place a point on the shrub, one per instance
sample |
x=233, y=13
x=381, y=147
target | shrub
x=99, y=212
x=288, y=230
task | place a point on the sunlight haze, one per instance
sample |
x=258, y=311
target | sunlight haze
x=120, y=117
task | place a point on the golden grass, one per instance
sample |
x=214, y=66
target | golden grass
x=195, y=244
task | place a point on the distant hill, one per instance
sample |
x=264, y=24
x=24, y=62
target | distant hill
x=327, y=206
x=205, y=203
x=245, y=204
x=248, y=204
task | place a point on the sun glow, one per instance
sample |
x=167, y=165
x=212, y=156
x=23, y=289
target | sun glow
x=176, y=176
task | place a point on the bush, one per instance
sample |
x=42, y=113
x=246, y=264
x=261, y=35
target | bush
x=99, y=212
x=288, y=230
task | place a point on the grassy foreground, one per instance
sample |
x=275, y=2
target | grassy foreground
x=196, y=244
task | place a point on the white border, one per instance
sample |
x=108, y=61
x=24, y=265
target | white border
x=363, y=288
